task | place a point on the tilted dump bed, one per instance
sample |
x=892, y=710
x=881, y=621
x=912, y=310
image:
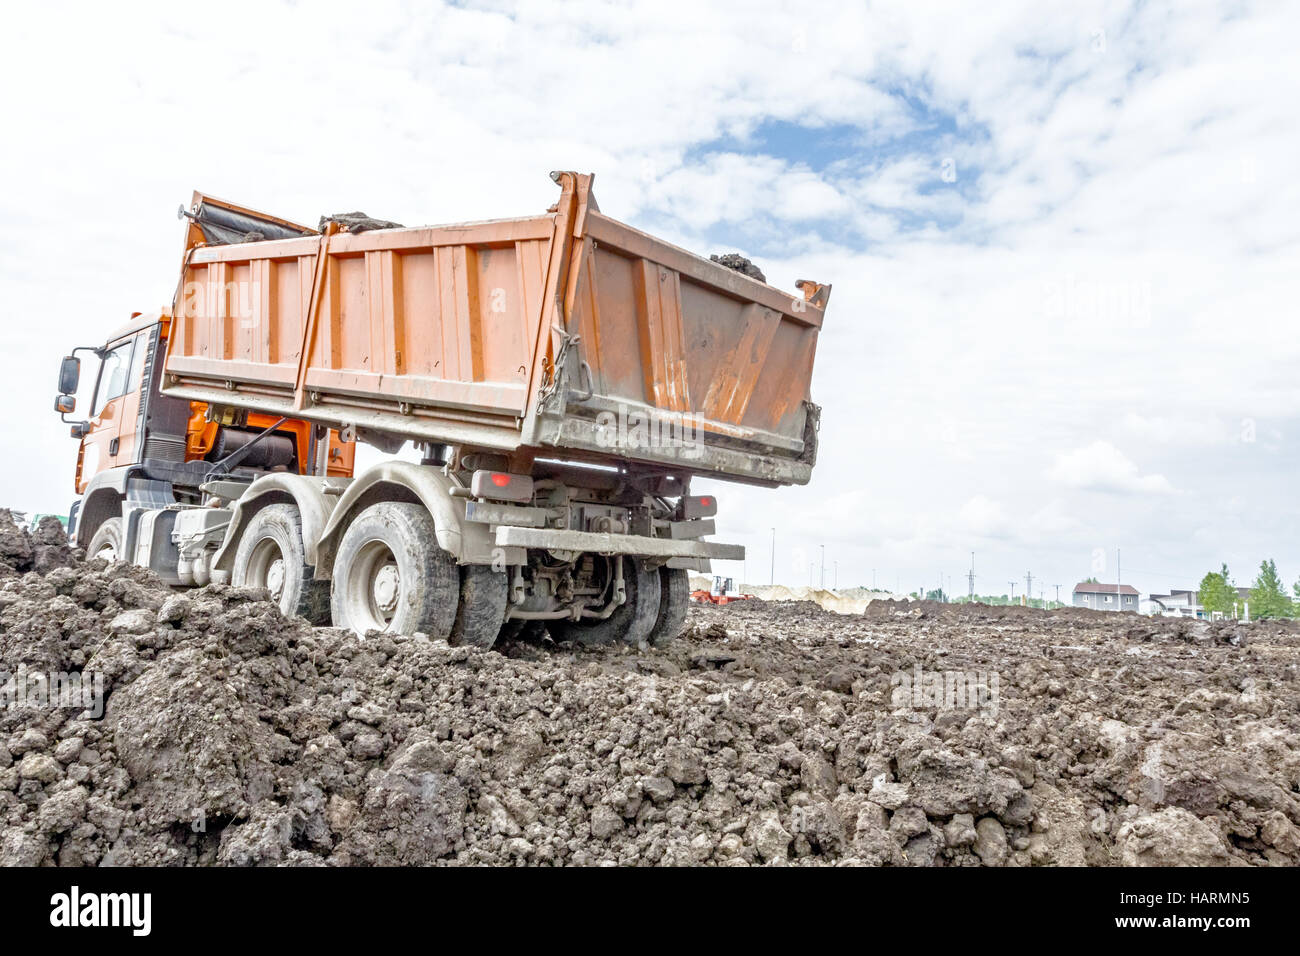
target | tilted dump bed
x=567, y=335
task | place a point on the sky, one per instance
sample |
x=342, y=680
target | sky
x=1064, y=239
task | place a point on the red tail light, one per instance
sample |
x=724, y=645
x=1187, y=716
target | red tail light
x=703, y=506
x=501, y=486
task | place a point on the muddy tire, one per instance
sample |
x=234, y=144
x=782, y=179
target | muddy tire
x=106, y=542
x=482, y=612
x=674, y=599
x=390, y=575
x=631, y=622
x=271, y=555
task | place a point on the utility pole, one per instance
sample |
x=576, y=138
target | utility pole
x=1058, y=593
x=822, y=585
x=1029, y=587
x=772, y=579
x=1013, y=589
x=1119, y=580
x=970, y=579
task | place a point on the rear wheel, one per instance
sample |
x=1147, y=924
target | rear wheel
x=482, y=609
x=674, y=598
x=271, y=556
x=390, y=575
x=631, y=621
x=106, y=542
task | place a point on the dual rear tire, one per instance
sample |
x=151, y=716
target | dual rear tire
x=674, y=600
x=631, y=621
x=389, y=575
x=654, y=612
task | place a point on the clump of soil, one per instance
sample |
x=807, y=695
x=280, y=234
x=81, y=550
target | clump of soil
x=733, y=260
x=357, y=222
x=230, y=734
x=41, y=550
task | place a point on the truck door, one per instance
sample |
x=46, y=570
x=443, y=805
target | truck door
x=115, y=410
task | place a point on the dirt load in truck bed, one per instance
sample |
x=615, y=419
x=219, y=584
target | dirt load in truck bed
x=233, y=735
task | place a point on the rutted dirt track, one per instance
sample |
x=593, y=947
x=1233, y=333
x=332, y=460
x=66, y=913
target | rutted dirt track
x=768, y=732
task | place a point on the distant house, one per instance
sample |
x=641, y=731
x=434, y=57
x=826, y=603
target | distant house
x=1106, y=597
x=1182, y=603
x=1179, y=603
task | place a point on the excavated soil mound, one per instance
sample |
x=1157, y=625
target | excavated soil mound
x=42, y=550
x=222, y=732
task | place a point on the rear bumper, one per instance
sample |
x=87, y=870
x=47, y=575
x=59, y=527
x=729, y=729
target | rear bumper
x=591, y=541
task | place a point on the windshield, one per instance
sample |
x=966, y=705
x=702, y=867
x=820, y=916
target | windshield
x=114, y=376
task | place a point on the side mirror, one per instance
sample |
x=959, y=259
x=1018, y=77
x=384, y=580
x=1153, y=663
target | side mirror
x=65, y=404
x=69, y=374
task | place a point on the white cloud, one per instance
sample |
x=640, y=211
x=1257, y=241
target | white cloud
x=1101, y=466
x=984, y=517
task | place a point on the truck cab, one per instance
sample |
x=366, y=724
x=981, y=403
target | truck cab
x=137, y=438
x=109, y=437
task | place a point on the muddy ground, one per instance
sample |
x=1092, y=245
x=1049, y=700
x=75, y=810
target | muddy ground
x=767, y=733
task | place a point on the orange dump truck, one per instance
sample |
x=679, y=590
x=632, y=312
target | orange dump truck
x=563, y=375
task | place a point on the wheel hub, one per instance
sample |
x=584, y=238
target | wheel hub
x=387, y=588
x=275, y=578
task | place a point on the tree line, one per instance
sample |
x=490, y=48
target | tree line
x=1268, y=598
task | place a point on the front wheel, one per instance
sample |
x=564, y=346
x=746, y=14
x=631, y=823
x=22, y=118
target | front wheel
x=390, y=575
x=106, y=543
x=271, y=556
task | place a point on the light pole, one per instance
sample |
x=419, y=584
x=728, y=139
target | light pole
x=822, y=583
